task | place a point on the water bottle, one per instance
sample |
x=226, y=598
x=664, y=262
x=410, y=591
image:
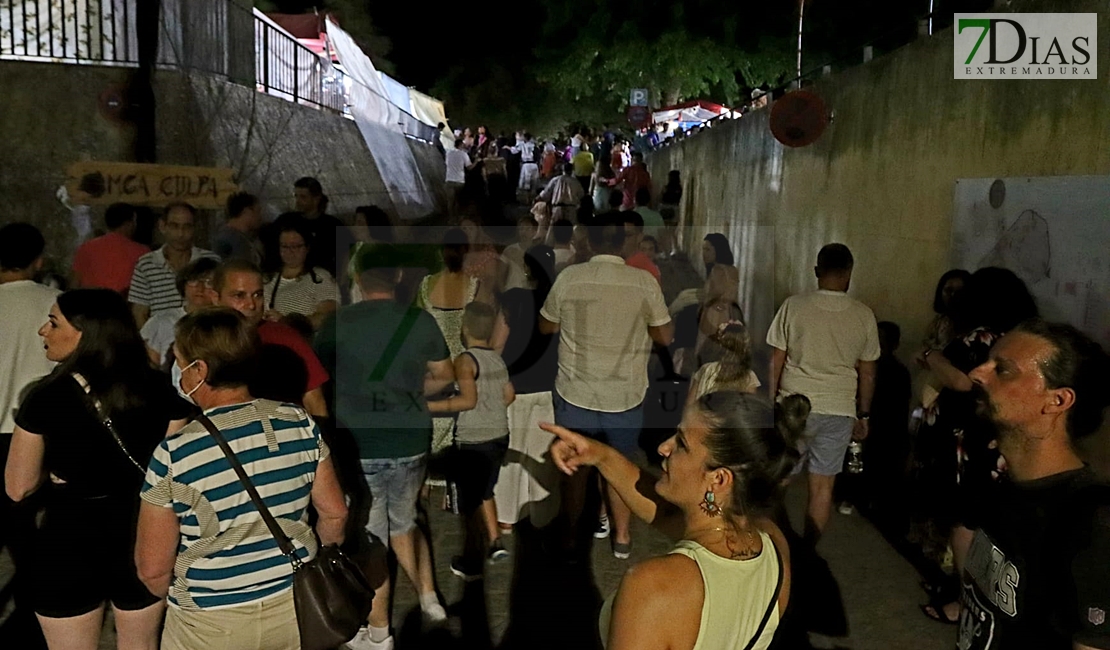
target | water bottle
x=855, y=457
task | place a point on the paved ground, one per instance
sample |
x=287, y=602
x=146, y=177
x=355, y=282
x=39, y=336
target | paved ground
x=553, y=606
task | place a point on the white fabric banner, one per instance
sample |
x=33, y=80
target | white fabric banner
x=379, y=122
x=368, y=93
x=397, y=93
x=429, y=110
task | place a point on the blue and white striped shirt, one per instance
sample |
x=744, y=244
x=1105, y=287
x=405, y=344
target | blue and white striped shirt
x=226, y=555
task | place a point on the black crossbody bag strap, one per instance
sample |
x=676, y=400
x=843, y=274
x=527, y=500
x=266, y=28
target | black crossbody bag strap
x=98, y=410
x=284, y=543
x=771, y=607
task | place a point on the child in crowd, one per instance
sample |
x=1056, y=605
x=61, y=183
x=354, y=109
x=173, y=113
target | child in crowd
x=730, y=363
x=481, y=437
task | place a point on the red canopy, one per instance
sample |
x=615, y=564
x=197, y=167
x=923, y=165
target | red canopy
x=306, y=28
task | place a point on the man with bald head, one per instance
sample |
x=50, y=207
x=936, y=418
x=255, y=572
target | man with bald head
x=1036, y=573
x=289, y=370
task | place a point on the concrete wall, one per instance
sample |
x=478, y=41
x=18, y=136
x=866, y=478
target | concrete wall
x=50, y=118
x=881, y=177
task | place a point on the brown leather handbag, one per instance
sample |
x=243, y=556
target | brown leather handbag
x=331, y=595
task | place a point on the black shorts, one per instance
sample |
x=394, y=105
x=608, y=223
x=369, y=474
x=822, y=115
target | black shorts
x=83, y=556
x=477, y=466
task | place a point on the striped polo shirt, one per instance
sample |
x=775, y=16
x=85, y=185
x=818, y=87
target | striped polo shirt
x=226, y=556
x=154, y=282
x=300, y=295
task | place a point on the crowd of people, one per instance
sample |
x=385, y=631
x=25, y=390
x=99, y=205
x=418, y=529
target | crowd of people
x=564, y=175
x=353, y=368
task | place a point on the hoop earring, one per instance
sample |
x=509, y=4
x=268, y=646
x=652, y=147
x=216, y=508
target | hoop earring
x=709, y=505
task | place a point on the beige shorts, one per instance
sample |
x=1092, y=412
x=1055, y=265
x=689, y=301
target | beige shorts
x=268, y=624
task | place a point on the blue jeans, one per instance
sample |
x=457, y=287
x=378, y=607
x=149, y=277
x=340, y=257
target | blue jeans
x=621, y=431
x=394, y=489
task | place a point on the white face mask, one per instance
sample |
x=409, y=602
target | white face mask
x=176, y=373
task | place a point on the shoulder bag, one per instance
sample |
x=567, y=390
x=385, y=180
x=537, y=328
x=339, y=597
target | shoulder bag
x=330, y=593
x=98, y=410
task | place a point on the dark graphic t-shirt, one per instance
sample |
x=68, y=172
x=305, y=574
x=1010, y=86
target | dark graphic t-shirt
x=1037, y=574
x=378, y=353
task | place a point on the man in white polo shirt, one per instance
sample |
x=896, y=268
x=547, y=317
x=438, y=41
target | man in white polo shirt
x=154, y=282
x=825, y=347
x=607, y=315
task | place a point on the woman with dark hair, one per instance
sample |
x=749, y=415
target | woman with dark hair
x=726, y=583
x=715, y=250
x=295, y=284
x=528, y=487
x=939, y=333
x=672, y=197
x=85, y=434
x=445, y=295
x=957, y=452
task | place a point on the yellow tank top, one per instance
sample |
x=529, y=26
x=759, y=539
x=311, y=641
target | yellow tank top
x=737, y=596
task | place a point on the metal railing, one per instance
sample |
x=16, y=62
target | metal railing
x=69, y=31
x=215, y=36
x=286, y=68
x=221, y=37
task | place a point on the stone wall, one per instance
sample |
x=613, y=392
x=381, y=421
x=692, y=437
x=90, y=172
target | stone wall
x=881, y=177
x=51, y=119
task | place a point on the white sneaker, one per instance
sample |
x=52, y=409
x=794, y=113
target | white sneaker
x=362, y=641
x=846, y=508
x=435, y=614
x=602, y=530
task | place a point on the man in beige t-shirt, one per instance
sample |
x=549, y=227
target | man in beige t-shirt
x=607, y=315
x=825, y=347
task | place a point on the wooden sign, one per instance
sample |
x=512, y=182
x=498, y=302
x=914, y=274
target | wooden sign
x=101, y=183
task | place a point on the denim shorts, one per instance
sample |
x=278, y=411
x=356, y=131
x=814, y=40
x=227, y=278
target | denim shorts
x=825, y=442
x=621, y=431
x=394, y=489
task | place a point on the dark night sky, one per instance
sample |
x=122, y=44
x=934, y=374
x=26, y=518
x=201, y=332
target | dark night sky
x=427, y=35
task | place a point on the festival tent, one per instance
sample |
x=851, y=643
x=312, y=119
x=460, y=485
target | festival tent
x=687, y=114
x=429, y=110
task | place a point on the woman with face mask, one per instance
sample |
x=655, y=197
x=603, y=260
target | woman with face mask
x=200, y=541
x=83, y=439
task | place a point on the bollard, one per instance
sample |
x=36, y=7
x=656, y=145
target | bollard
x=826, y=71
x=868, y=53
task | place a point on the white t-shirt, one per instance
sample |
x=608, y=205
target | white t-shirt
x=603, y=309
x=824, y=333
x=300, y=295
x=457, y=162
x=158, y=331
x=26, y=306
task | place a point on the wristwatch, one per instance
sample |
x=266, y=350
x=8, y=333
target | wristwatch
x=863, y=415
